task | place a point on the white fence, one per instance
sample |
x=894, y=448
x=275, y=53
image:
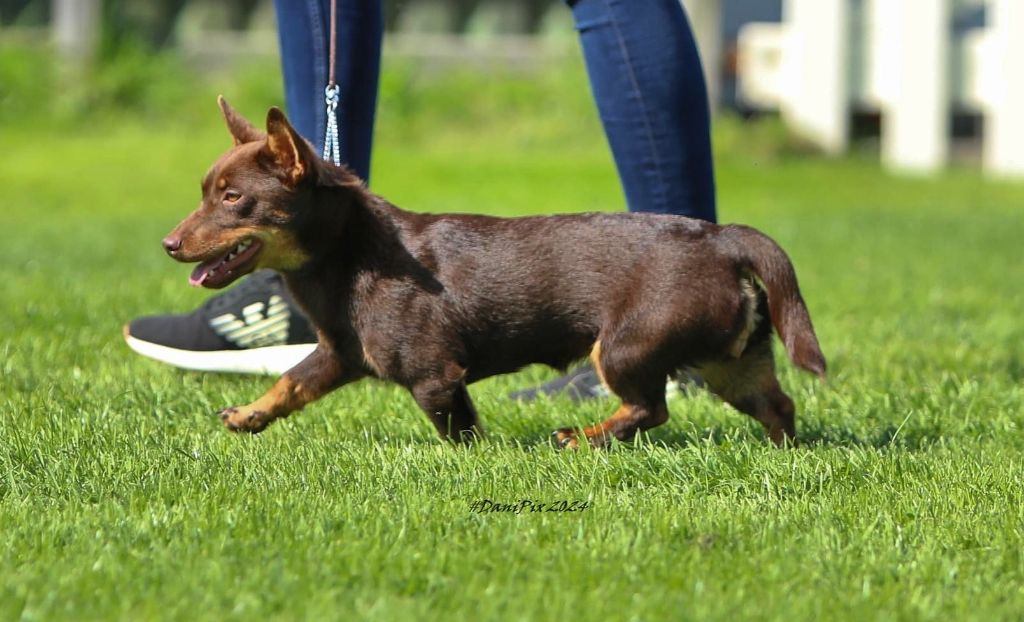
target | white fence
x=828, y=58
x=901, y=58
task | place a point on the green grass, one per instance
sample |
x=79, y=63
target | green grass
x=121, y=496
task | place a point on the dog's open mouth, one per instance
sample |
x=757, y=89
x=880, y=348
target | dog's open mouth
x=224, y=269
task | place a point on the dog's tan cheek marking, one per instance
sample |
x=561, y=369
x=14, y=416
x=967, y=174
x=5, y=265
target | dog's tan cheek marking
x=235, y=235
x=281, y=251
x=222, y=183
x=205, y=242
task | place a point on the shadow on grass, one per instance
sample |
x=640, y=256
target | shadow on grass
x=533, y=431
x=674, y=438
x=889, y=437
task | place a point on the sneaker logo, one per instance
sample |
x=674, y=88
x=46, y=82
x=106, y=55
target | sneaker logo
x=261, y=324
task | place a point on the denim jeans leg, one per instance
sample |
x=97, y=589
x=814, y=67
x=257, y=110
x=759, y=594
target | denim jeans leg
x=304, y=34
x=646, y=78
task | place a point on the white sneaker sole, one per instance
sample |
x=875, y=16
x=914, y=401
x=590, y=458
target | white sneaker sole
x=271, y=360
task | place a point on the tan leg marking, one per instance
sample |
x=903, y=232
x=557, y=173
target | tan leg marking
x=595, y=359
x=623, y=425
x=372, y=363
x=750, y=317
x=749, y=385
x=284, y=398
x=315, y=376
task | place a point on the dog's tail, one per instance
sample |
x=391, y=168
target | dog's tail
x=762, y=256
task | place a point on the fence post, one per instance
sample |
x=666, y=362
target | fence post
x=706, y=21
x=75, y=27
x=815, y=77
x=916, y=123
x=1004, y=123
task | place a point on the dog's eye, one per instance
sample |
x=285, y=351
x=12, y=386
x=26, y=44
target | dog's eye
x=231, y=196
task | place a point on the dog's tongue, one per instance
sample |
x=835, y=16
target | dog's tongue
x=202, y=272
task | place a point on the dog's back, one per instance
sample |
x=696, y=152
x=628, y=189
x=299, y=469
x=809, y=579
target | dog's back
x=543, y=289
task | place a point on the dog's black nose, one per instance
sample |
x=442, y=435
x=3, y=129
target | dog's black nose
x=171, y=244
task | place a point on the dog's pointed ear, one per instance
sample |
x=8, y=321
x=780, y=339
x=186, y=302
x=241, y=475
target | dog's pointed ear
x=288, y=150
x=241, y=130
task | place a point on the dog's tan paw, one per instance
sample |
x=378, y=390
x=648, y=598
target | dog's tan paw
x=564, y=438
x=244, y=419
x=569, y=438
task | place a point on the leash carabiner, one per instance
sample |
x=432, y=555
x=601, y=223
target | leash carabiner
x=332, y=149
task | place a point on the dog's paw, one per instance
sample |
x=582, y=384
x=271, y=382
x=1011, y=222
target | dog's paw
x=570, y=438
x=244, y=419
x=564, y=438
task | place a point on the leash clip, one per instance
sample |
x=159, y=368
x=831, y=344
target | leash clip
x=332, y=149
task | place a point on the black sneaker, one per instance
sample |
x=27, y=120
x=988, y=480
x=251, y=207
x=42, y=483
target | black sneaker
x=580, y=384
x=253, y=328
x=583, y=383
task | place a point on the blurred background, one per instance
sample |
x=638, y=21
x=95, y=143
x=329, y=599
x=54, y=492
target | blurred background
x=922, y=83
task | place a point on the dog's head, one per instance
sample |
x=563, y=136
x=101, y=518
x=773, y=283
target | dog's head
x=254, y=199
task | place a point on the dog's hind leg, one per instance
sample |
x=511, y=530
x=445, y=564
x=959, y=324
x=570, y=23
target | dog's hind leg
x=643, y=400
x=446, y=401
x=623, y=425
x=749, y=385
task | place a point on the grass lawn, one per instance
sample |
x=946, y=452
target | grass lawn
x=121, y=496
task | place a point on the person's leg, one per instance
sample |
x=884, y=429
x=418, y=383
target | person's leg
x=646, y=78
x=304, y=34
x=255, y=327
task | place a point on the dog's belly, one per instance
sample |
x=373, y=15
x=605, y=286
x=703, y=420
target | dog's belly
x=509, y=352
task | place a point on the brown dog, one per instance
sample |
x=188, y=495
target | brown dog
x=436, y=302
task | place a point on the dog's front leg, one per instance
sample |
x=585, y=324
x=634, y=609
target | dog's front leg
x=445, y=398
x=315, y=376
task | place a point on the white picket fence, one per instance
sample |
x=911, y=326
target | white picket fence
x=827, y=58
x=900, y=58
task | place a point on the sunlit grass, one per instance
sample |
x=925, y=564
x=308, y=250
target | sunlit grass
x=121, y=496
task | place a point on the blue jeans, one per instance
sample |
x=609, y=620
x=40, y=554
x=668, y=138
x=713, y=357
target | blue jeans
x=645, y=75
x=304, y=33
